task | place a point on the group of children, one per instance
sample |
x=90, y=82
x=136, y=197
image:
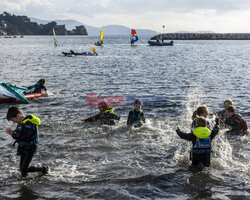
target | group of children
x=26, y=132
x=201, y=135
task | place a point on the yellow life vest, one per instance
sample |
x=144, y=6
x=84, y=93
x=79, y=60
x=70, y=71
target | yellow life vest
x=32, y=118
x=109, y=111
x=201, y=132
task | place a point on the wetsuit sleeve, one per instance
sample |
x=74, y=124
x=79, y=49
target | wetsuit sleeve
x=129, y=118
x=43, y=88
x=30, y=87
x=186, y=136
x=215, y=130
x=237, y=125
x=93, y=119
x=112, y=116
x=16, y=135
x=25, y=132
x=143, y=118
x=234, y=124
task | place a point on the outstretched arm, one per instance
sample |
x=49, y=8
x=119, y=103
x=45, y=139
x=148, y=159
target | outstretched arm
x=112, y=116
x=129, y=118
x=186, y=136
x=92, y=119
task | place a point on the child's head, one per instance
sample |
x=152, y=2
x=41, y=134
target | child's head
x=42, y=80
x=200, y=111
x=138, y=104
x=227, y=103
x=201, y=121
x=103, y=106
x=14, y=114
x=230, y=110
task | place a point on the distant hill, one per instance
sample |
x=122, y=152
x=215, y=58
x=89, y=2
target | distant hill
x=108, y=30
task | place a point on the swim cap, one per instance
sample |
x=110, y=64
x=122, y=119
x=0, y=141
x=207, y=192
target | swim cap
x=93, y=49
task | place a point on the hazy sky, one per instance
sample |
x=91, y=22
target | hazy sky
x=177, y=15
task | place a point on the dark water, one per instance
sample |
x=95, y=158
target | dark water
x=98, y=162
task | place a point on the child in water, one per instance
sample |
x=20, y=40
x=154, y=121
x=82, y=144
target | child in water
x=201, y=138
x=37, y=88
x=26, y=135
x=222, y=114
x=201, y=111
x=136, y=115
x=106, y=115
x=237, y=125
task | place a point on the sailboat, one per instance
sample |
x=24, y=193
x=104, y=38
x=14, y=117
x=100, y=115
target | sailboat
x=133, y=37
x=12, y=93
x=100, y=42
x=54, y=34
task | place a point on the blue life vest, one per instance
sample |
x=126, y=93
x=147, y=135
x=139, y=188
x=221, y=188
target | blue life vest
x=32, y=133
x=136, y=117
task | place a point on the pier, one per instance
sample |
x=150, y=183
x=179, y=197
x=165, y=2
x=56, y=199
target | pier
x=203, y=36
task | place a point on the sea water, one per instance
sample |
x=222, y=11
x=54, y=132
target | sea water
x=89, y=161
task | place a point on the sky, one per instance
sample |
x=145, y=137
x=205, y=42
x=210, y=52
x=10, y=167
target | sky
x=220, y=16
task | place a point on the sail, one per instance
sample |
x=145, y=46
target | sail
x=54, y=34
x=100, y=42
x=12, y=91
x=134, y=37
x=101, y=36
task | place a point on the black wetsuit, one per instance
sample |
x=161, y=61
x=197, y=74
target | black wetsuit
x=37, y=88
x=104, y=117
x=236, y=124
x=26, y=136
x=198, y=158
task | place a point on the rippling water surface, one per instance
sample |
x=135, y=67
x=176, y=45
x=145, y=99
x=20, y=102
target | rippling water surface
x=89, y=161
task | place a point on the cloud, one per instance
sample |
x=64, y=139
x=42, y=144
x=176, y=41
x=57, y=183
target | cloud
x=136, y=13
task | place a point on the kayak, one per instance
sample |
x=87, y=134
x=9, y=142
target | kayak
x=158, y=43
x=70, y=54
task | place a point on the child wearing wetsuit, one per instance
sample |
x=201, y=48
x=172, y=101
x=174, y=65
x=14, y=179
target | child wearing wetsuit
x=106, y=115
x=136, y=115
x=222, y=114
x=235, y=122
x=201, y=111
x=37, y=88
x=26, y=136
x=201, y=138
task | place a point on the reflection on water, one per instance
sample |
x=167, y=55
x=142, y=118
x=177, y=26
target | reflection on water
x=99, y=162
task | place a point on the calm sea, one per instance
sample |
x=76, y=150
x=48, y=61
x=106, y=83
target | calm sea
x=89, y=161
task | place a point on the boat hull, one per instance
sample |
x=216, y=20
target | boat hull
x=155, y=43
x=6, y=99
